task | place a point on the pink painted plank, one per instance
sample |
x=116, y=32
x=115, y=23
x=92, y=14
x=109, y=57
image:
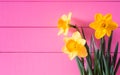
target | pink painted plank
x=38, y=39
x=47, y=13
x=38, y=64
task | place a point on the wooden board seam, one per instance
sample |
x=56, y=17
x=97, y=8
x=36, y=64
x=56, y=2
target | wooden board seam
x=36, y=27
x=60, y=1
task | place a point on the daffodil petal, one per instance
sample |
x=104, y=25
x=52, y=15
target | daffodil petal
x=109, y=33
x=112, y=25
x=76, y=35
x=72, y=55
x=69, y=16
x=98, y=17
x=60, y=31
x=82, y=52
x=99, y=33
x=66, y=31
x=61, y=23
x=66, y=39
x=93, y=25
x=108, y=17
x=65, y=50
x=81, y=41
x=64, y=17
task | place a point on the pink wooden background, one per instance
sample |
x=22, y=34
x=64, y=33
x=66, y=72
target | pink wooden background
x=29, y=44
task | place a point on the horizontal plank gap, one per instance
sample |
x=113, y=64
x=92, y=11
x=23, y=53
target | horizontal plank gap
x=40, y=52
x=28, y=26
x=60, y=1
x=30, y=52
x=35, y=27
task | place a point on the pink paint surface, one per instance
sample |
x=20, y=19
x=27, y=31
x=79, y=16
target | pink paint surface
x=37, y=64
x=47, y=13
x=38, y=39
x=31, y=27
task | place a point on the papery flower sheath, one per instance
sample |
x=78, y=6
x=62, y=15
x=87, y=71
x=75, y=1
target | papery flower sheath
x=103, y=25
x=63, y=24
x=74, y=46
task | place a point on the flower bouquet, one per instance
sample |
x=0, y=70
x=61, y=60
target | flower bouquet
x=99, y=60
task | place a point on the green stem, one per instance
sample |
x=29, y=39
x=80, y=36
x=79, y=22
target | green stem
x=81, y=66
x=74, y=26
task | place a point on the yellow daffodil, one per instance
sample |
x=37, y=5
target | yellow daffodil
x=103, y=25
x=74, y=46
x=63, y=24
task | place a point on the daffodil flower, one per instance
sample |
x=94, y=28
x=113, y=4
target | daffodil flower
x=74, y=46
x=63, y=24
x=103, y=25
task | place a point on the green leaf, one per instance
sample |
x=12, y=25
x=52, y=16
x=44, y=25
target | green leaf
x=108, y=54
x=101, y=57
x=112, y=70
x=117, y=66
x=89, y=69
x=115, y=54
x=91, y=44
x=81, y=67
x=97, y=64
x=99, y=67
x=109, y=42
x=102, y=45
x=108, y=61
x=94, y=44
x=105, y=66
x=103, y=73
